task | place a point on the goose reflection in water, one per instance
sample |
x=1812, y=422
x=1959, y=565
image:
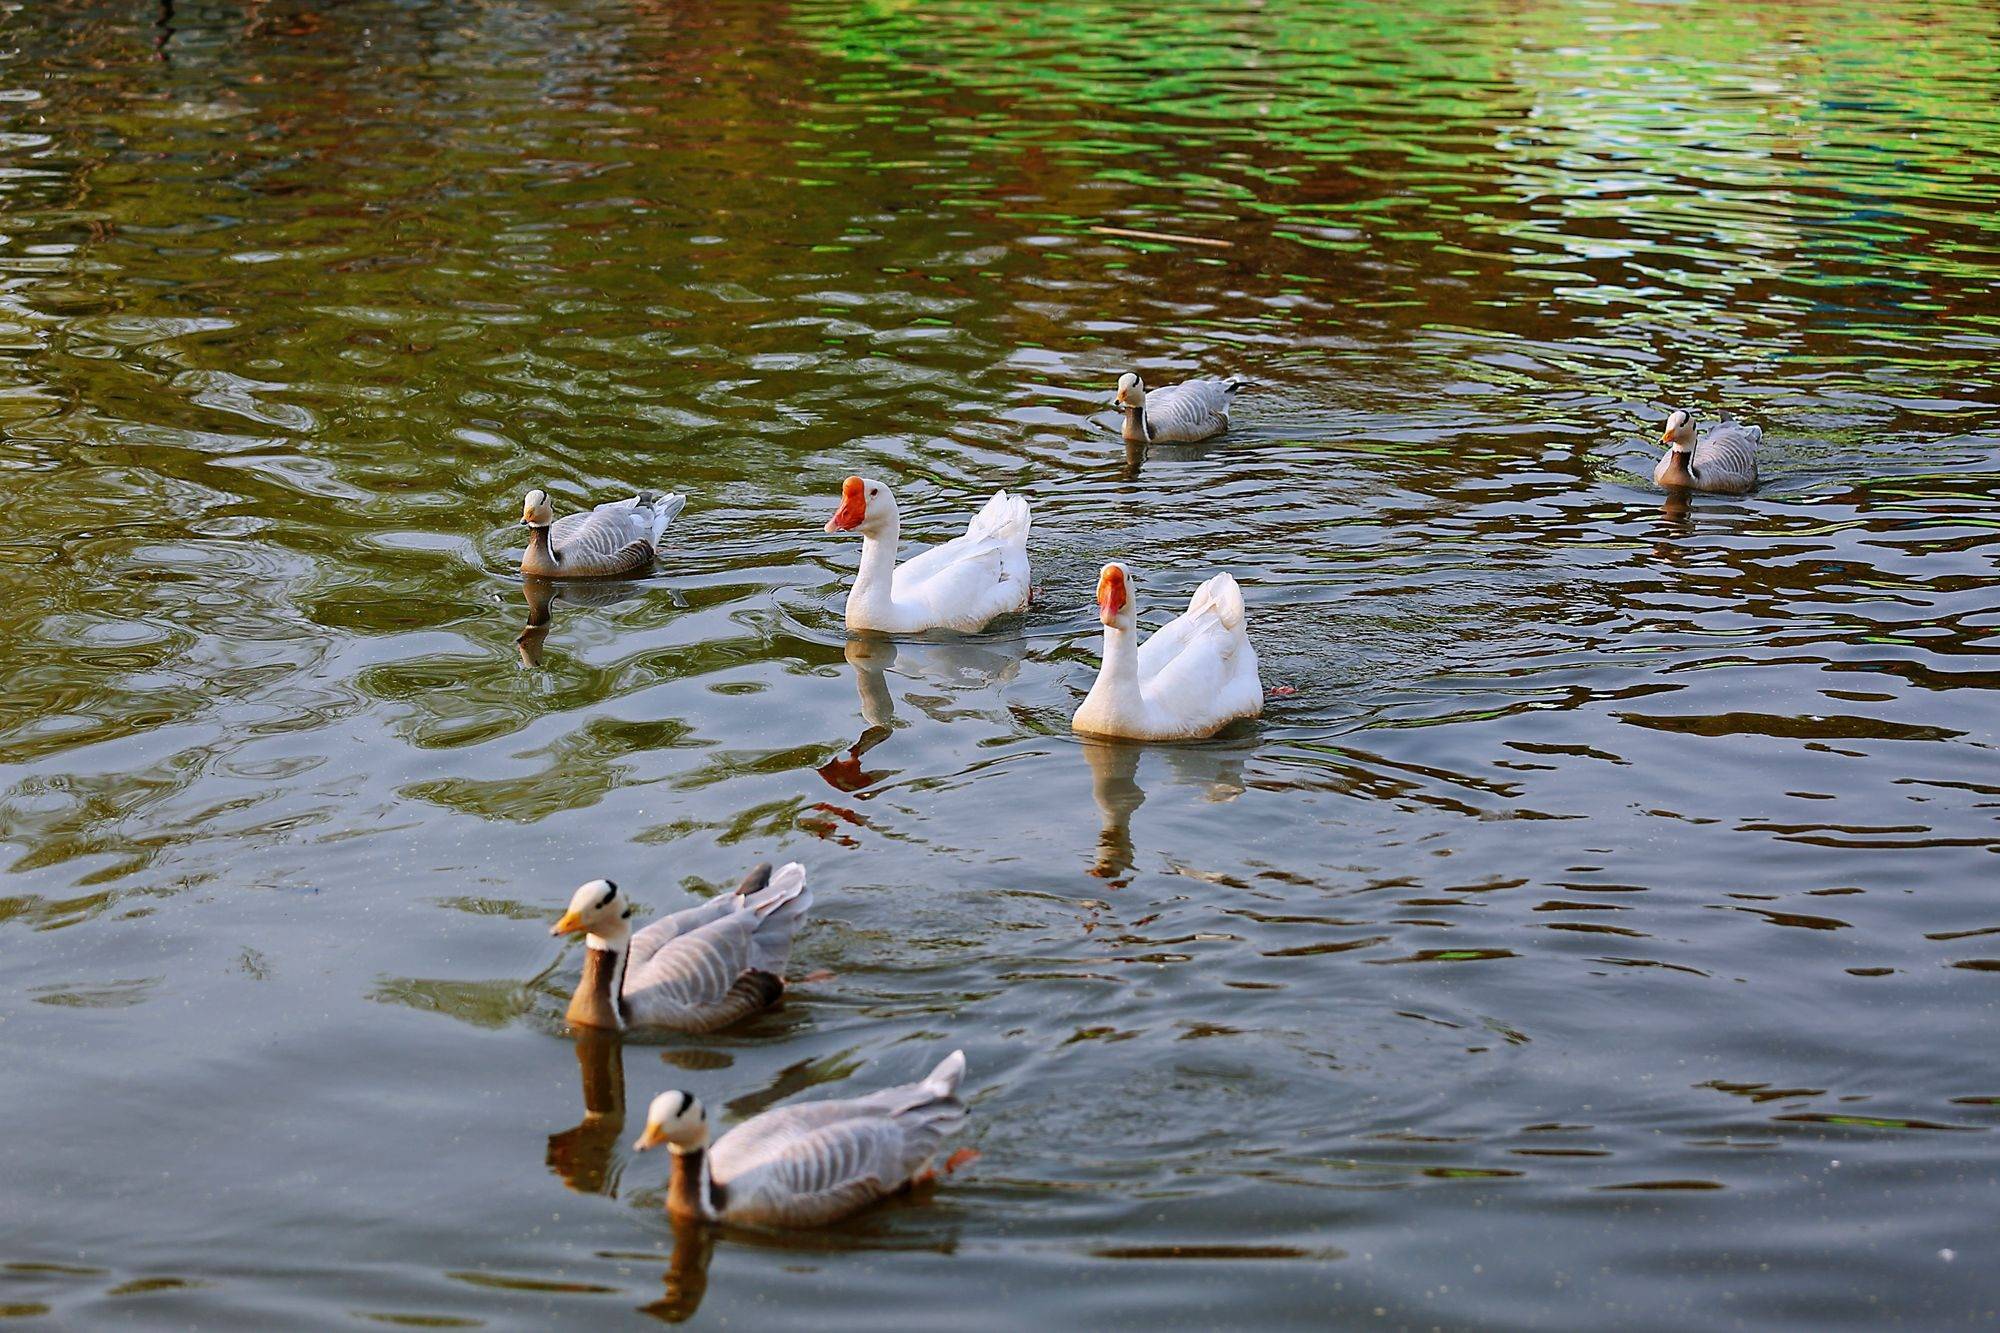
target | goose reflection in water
x=541, y=593
x=958, y=666
x=686, y=1277
x=1138, y=452
x=586, y=1155
x=1215, y=769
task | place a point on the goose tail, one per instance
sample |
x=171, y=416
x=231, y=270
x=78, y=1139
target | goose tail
x=1221, y=596
x=667, y=506
x=1005, y=517
x=780, y=906
x=942, y=1082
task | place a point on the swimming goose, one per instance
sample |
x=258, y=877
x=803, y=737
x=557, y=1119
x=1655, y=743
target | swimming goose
x=960, y=585
x=1194, y=676
x=698, y=970
x=803, y=1165
x=1724, y=462
x=611, y=541
x=1177, y=413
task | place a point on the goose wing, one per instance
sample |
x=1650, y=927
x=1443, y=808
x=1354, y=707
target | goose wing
x=724, y=970
x=811, y=1163
x=647, y=942
x=1000, y=526
x=1204, y=673
x=1728, y=456
x=606, y=536
x=1192, y=410
x=1216, y=605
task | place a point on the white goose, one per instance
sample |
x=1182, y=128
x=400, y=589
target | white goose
x=614, y=540
x=700, y=969
x=803, y=1165
x=960, y=585
x=1175, y=413
x=1194, y=676
x=1725, y=461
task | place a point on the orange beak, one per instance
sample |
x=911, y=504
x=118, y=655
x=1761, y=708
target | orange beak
x=570, y=924
x=1121, y=398
x=1111, y=598
x=853, y=507
x=652, y=1138
x=1666, y=437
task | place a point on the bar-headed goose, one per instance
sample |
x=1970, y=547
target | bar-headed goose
x=960, y=585
x=1175, y=413
x=1193, y=677
x=804, y=1165
x=614, y=540
x=1725, y=461
x=700, y=969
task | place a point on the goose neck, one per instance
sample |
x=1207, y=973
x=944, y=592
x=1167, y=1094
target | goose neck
x=1135, y=424
x=540, y=555
x=599, y=1001
x=875, y=581
x=691, y=1191
x=1115, y=702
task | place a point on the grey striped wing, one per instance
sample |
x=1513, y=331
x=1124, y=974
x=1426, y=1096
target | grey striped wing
x=1727, y=458
x=690, y=982
x=611, y=539
x=813, y=1163
x=647, y=942
x=1187, y=412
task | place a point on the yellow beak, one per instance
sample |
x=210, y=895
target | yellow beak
x=652, y=1138
x=570, y=924
x=1666, y=437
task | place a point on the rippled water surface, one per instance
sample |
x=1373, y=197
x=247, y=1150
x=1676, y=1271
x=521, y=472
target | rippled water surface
x=1602, y=925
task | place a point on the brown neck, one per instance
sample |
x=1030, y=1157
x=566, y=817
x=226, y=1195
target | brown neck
x=1678, y=472
x=1135, y=425
x=597, y=1002
x=689, y=1182
x=540, y=557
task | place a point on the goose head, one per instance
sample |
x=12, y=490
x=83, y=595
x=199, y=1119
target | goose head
x=535, y=510
x=1131, y=392
x=677, y=1119
x=597, y=909
x=865, y=506
x=1678, y=434
x=1116, y=603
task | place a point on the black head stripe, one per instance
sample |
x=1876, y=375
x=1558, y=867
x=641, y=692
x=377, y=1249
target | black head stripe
x=610, y=892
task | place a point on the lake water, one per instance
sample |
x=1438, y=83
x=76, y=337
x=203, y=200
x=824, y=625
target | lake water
x=1601, y=927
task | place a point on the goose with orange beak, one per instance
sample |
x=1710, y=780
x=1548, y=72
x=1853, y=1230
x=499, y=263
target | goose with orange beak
x=615, y=540
x=1175, y=413
x=700, y=969
x=1724, y=462
x=1194, y=676
x=811, y=1163
x=961, y=585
